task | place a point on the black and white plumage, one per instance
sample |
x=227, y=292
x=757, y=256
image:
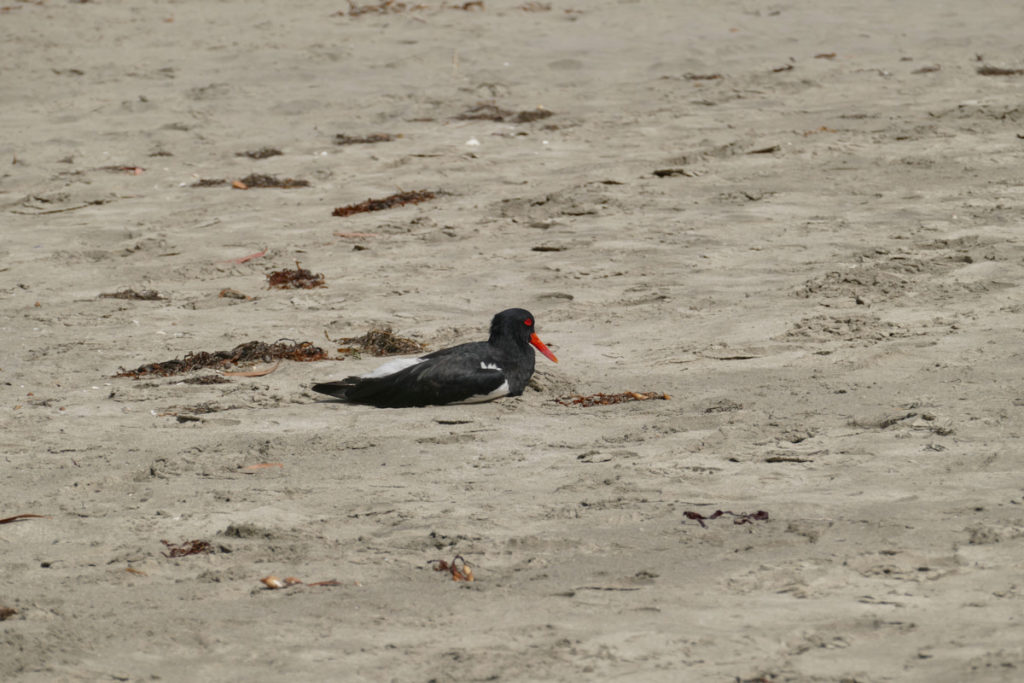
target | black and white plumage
x=467, y=373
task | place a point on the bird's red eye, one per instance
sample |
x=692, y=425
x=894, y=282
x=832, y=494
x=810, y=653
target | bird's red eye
x=528, y=322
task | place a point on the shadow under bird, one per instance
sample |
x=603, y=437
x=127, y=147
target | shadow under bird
x=468, y=373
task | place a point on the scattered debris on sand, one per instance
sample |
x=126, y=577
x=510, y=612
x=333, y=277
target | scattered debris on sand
x=262, y=180
x=488, y=111
x=380, y=341
x=144, y=295
x=187, y=548
x=299, y=278
x=261, y=153
x=391, y=201
x=459, y=569
x=342, y=139
x=610, y=399
x=243, y=354
x=739, y=517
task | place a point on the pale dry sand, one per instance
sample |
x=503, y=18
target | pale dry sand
x=837, y=319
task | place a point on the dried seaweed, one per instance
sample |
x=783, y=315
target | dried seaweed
x=458, y=568
x=528, y=115
x=7, y=612
x=261, y=153
x=134, y=170
x=395, y=7
x=609, y=399
x=399, y=199
x=379, y=341
x=486, y=111
x=382, y=7
x=187, y=548
x=261, y=180
x=998, y=71
x=342, y=139
x=248, y=353
x=300, y=278
x=740, y=517
x=144, y=295
x=209, y=182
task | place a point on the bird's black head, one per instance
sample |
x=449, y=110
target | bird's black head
x=517, y=325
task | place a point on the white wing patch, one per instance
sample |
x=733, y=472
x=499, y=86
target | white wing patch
x=482, y=398
x=489, y=366
x=391, y=367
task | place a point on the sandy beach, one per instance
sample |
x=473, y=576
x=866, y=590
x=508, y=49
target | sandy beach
x=800, y=221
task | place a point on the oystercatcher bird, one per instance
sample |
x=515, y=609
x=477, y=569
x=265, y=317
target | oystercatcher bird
x=467, y=373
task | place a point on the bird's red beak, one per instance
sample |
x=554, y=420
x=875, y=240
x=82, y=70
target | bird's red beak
x=539, y=345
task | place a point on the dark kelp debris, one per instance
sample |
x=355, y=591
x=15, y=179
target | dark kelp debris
x=610, y=399
x=382, y=7
x=7, y=612
x=987, y=70
x=209, y=182
x=134, y=170
x=187, y=548
x=739, y=517
x=300, y=278
x=487, y=111
x=399, y=199
x=342, y=139
x=243, y=354
x=395, y=7
x=378, y=342
x=261, y=153
x=144, y=295
x=261, y=180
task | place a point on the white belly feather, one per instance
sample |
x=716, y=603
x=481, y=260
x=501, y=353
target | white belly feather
x=391, y=367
